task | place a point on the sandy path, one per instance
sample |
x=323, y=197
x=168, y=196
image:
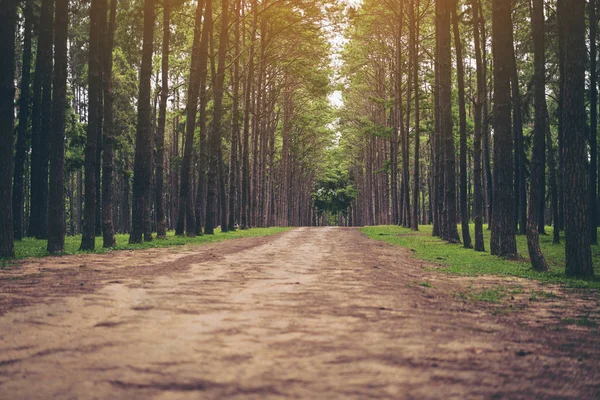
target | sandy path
x=311, y=313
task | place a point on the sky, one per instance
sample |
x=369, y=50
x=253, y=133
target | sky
x=338, y=41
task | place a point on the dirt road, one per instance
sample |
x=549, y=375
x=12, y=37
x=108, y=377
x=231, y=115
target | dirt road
x=310, y=313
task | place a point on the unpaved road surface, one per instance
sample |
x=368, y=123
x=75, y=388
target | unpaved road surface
x=314, y=313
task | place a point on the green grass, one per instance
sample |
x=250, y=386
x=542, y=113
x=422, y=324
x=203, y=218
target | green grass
x=468, y=262
x=490, y=295
x=29, y=247
x=582, y=320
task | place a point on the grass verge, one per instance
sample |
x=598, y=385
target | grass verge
x=468, y=262
x=30, y=247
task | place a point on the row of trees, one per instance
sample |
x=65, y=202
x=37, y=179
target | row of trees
x=217, y=114
x=145, y=116
x=467, y=110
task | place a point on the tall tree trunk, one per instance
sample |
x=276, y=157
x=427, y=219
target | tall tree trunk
x=203, y=161
x=100, y=126
x=478, y=111
x=142, y=170
x=561, y=67
x=245, y=206
x=88, y=236
x=161, y=223
x=8, y=27
x=235, y=126
x=222, y=191
x=593, y=199
x=56, y=195
x=187, y=218
x=24, y=108
x=538, y=262
x=394, y=144
x=519, y=183
x=41, y=122
x=108, y=155
x=487, y=168
x=502, y=242
x=415, y=49
x=285, y=184
x=216, y=131
x=444, y=52
x=436, y=158
x=578, y=258
x=552, y=177
x=464, y=214
x=400, y=126
x=406, y=211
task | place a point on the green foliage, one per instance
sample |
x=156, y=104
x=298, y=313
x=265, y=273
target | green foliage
x=75, y=133
x=489, y=295
x=333, y=193
x=461, y=261
x=583, y=320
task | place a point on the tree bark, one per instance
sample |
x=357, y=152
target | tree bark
x=462, y=112
x=415, y=49
x=142, y=170
x=593, y=199
x=538, y=262
x=41, y=122
x=8, y=27
x=487, y=168
x=519, y=183
x=161, y=223
x=552, y=178
x=56, y=195
x=203, y=159
x=502, y=242
x=187, y=218
x=444, y=53
x=88, y=235
x=246, y=195
x=235, y=126
x=108, y=155
x=216, y=131
x=478, y=117
x=578, y=253
x=22, y=138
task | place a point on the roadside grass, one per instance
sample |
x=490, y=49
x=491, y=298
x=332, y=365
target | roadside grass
x=582, y=320
x=467, y=262
x=29, y=247
x=489, y=295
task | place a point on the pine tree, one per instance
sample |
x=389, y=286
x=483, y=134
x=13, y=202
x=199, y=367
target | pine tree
x=142, y=170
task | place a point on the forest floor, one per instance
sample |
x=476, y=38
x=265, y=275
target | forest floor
x=307, y=313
